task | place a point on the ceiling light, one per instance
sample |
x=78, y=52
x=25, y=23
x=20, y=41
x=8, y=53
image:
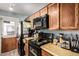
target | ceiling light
x=11, y=9
x=13, y=4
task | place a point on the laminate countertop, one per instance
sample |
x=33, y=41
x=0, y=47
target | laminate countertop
x=28, y=38
x=57, y=51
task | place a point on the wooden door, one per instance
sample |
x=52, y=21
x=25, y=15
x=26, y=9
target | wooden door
x=68, y=16
x=53, y=12
x=43, y=11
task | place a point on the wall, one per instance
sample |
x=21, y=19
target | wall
x=11, y=14
x=16, y=20
x=60, y=31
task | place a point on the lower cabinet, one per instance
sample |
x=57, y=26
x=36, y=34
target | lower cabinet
x=9, y=44
x=26, y=48
x=44, y=53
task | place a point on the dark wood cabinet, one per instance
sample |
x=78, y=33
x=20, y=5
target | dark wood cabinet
x=68, y=15
x=43, y=11
x=53, y=12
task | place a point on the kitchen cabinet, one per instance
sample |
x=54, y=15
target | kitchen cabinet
x=26, y=47
x=37, y=14
x=9, y=44
x=31, y=19
x=43, y=11
x=44, y=53
x=53, y=12
x=68, y=15
x=78, y=17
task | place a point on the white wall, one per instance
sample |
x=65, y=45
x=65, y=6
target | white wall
x=16, y=20
x=10, y=14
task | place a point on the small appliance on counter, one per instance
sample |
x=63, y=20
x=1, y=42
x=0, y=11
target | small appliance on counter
x=62, y=40
x=75, y=43
x=56, y=39
x=65, y=41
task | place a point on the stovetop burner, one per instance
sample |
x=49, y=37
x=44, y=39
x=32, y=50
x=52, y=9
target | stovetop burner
x=39, y=43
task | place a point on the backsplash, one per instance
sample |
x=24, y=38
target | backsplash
x=60, y=31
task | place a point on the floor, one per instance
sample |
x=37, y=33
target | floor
x=11, y=53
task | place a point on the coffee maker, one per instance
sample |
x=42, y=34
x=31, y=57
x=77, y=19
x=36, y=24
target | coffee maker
x=65, y=41
x=75, y=43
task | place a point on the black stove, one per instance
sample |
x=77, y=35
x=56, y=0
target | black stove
x=35, y=45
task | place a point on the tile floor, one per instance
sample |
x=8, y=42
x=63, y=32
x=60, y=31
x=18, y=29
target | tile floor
x=10, y=53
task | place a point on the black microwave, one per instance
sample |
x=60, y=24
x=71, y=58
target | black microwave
x=41, y=22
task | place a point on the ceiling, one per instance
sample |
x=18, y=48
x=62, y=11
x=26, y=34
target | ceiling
x=22, y=8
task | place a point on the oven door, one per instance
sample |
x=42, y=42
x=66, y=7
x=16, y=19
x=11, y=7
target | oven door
x=34, y=50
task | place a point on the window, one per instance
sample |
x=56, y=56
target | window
x=8, y=28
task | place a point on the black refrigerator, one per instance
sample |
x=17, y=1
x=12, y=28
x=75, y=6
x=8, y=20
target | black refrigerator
x=21, y=43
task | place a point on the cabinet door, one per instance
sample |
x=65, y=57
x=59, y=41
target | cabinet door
x=43, y=11
x=26, y=47
x=44, y=53
x=31, y=19
x=9, y=44
x=68, y=16
x=37, y=14
x=53, y=12
x=78, y=17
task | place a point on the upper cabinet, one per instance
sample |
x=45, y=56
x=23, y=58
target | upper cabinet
x=31, y=19
x=78, y=17
x=53, y=12
x=68, y=15
x=37, y=14
x=43, y=11
x=61, y=15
